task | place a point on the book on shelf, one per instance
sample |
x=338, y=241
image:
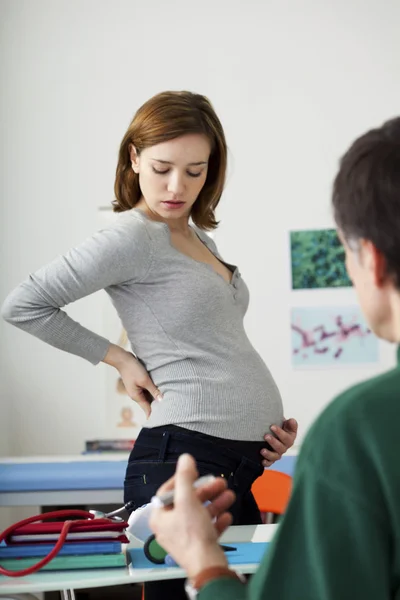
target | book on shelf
x=63, y=563
x=109, y=445
x=69, y=549
x=50, y=532
x=102, y=536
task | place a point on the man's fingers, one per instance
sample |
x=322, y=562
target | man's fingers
x=185, y=476
x=221, y=504
x=204, y=493
x=223, y=522
x=176, y=481
x=212, y=489
x=167, y=486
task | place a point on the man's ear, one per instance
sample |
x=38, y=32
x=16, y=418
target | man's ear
x=375, y=262
x=134, y=156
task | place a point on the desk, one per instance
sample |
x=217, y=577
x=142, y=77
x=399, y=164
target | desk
x=76, y=480
x=66, y=582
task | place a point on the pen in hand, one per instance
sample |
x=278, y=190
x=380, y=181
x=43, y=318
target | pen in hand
x=167, y=499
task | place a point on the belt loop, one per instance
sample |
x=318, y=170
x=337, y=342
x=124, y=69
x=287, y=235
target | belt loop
x=164, y=445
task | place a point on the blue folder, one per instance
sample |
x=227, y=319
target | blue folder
x=246, y=553
x=69, y=549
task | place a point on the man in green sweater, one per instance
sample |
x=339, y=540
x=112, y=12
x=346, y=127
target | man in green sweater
x=340, y=536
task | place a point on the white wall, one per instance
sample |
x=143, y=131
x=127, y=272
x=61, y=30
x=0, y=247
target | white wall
x=293, y=82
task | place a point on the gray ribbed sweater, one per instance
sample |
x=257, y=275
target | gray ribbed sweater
x=184, y=322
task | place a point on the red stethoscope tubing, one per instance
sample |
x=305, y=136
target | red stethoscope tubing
x=68, y=525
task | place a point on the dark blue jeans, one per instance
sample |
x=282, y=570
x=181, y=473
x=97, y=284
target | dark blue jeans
x=153, y=461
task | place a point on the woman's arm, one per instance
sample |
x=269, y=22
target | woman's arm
x=114, y=255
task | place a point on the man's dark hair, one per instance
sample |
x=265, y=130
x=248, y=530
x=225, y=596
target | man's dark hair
x=366, y=193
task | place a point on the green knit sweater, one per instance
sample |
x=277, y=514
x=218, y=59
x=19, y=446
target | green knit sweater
x=340, y=537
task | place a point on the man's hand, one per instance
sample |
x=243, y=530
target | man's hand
x=283, y=439
x=186, y=529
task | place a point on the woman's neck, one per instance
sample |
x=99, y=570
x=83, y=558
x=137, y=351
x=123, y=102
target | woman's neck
x=180, y=225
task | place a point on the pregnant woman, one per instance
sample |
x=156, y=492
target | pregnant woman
x=193, y=370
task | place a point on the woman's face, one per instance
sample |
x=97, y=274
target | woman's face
x=172, y=174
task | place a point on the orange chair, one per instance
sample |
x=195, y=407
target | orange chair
x=272, y=491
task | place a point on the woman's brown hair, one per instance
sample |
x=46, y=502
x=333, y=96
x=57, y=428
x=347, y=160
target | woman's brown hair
x=164, y=117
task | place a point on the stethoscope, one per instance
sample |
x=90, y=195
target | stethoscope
x=73, y=518
x=113, y=515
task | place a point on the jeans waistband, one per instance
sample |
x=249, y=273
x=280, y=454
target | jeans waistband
x=167, y=443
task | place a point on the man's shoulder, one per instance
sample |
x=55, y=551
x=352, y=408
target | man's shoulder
x=357, y=420
x=364, y=396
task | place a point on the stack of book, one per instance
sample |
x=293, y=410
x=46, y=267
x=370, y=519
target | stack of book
x=87, y=547
x=108, y=446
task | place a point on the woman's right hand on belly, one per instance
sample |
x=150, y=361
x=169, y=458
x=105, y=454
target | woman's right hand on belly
x=284, y=437
x=137, y=382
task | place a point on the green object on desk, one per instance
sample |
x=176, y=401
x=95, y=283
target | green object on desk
x=153, y=551
x=156, y=554
x=64, y=563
